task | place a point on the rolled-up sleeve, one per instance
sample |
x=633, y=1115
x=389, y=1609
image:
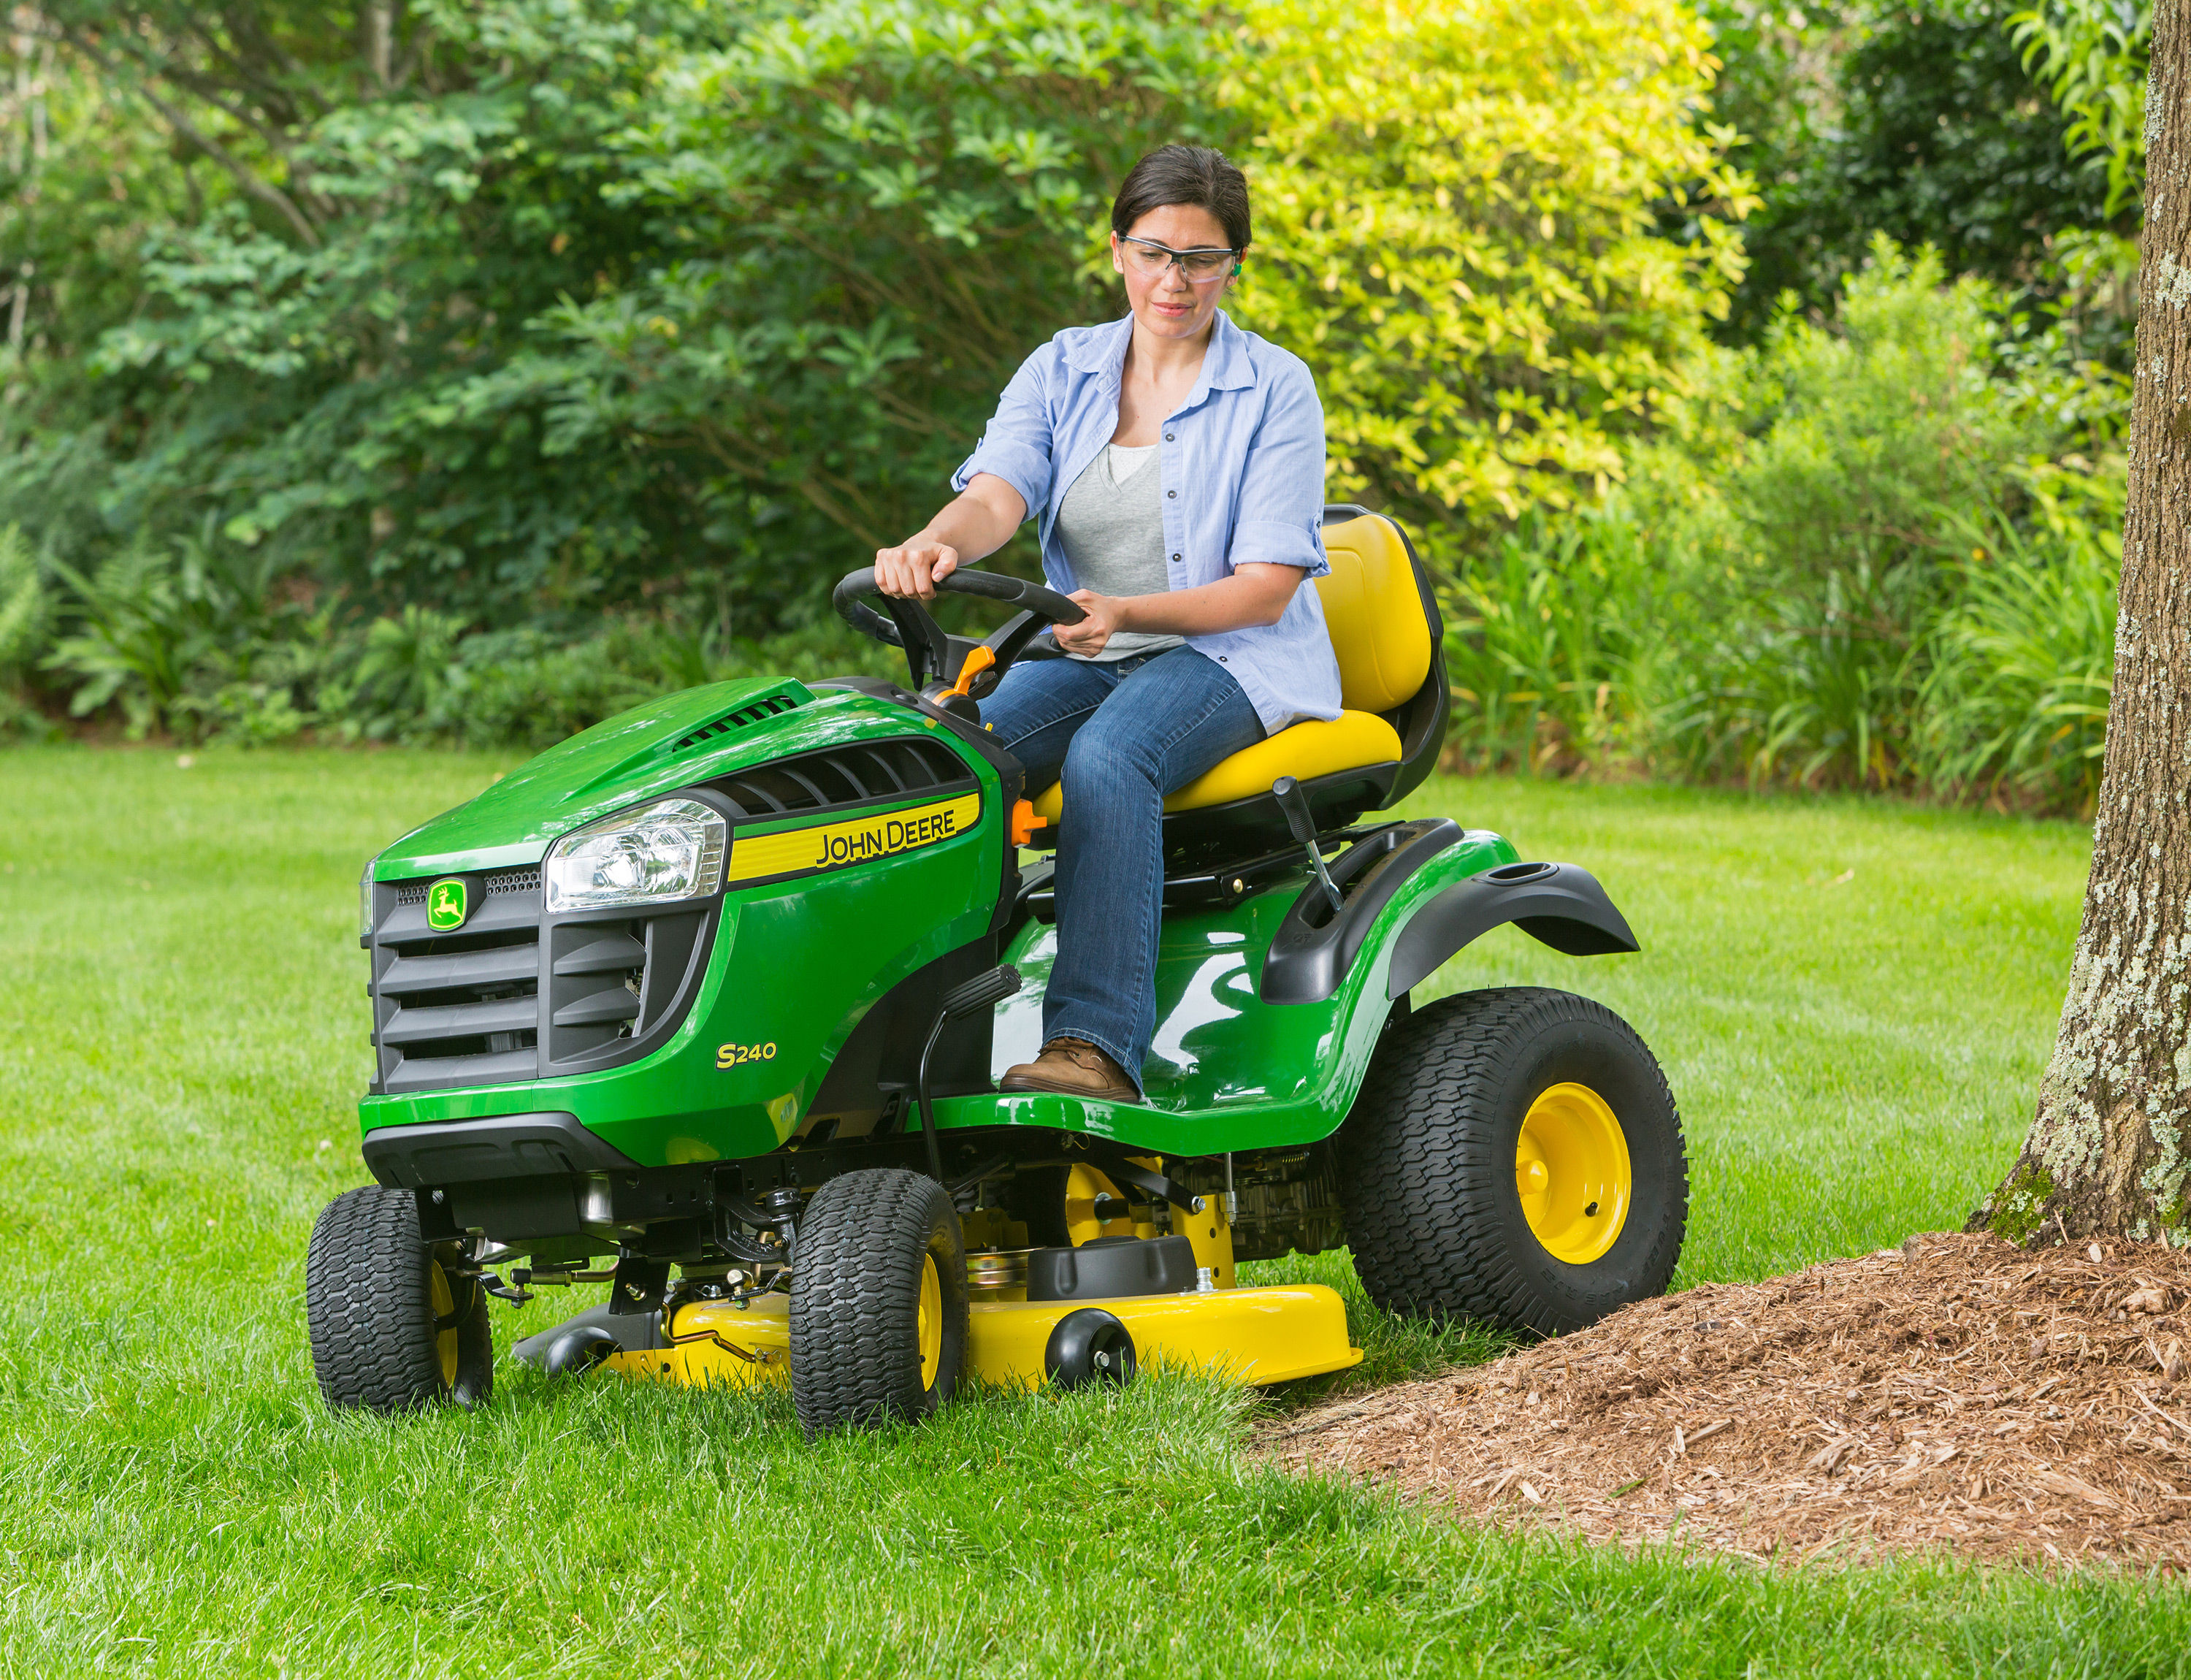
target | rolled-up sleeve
x=1015, y=445
x=1282, y=489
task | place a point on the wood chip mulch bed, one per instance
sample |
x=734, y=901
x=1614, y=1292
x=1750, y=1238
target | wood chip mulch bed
x=1959, y=1393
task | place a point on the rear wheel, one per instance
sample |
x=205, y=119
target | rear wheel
x=878, y=1301
x=392, y=1327
x=1514, y=1156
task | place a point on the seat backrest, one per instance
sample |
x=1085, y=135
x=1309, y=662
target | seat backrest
x=1375, y=612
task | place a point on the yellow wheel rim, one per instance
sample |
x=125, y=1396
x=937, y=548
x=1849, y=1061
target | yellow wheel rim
x=929, y=1324
x=445, y=1341
x=1571, y=1168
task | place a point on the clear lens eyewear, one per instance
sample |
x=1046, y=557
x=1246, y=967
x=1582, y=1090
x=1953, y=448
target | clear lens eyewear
x=1201, y=265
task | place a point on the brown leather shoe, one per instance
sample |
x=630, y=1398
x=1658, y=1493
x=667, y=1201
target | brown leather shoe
x=1072, y=1067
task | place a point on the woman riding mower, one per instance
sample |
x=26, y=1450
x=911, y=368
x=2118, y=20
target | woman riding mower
x=1175, y=462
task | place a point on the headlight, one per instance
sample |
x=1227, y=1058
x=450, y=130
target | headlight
x=364, y=900
x=667, y=852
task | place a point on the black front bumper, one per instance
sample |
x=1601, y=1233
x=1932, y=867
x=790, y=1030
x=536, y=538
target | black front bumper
x=549, y=1144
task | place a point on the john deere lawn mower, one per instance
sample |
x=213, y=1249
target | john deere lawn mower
x=707, y=1005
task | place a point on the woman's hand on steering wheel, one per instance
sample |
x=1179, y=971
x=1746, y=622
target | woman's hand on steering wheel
x=1105, y=618
x=910, y=571
x=921, y=570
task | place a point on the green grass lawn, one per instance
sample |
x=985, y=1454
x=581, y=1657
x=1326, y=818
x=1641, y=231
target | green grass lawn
x=1852, y=1001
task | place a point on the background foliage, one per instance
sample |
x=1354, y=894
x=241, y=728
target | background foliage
x=1752, y=374
x=1898, y=573
x=1456, y=222
x=1921, y=123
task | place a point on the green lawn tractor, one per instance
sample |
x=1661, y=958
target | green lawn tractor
x=707, y=1003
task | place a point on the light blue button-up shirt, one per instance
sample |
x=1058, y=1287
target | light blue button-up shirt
x=1243, y=461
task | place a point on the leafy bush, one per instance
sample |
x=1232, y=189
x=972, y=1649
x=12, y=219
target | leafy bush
x=2093, y=56
x=1456, y=227
x=2022, y=664
x=1551, y=644
x=24, y=614
x=1926, y=122
x=880, y=206
x=190, y=638
x=23, y=607
x=1859, y=428
x=1901, y=578
x=554, y=309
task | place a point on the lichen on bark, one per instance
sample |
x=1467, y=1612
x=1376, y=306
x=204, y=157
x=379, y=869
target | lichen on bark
x=2020, y=1204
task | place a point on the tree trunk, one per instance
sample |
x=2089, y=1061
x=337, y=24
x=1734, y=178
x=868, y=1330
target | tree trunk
x=376, y=23
x=2109, y=1151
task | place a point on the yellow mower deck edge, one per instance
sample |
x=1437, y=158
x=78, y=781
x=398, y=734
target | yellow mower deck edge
x=1255, y=1337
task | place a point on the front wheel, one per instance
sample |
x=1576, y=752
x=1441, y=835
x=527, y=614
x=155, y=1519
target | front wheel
x=1514, y=1156
x=878, y=1301
x=393, y=1326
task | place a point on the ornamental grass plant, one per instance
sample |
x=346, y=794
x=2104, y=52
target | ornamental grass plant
x=1890, y=565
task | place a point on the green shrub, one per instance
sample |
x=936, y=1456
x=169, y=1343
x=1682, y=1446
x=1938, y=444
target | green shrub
x=572, y=305
x=397, y=680
x=200, y=641
x=1897, y=576
x=2093, y=55
x=2022, y=664
x=1864, y=428
x=1550, y=646
x=193, y=638
x=26, y=615
x=1922, y=121
x=1456, y=221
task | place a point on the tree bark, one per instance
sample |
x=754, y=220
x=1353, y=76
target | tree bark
x=377, y=22
x=2109, y=1150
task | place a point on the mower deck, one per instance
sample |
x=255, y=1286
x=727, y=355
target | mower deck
x=1251, y=1336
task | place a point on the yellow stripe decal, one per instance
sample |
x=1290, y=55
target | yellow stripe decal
x=836, y=845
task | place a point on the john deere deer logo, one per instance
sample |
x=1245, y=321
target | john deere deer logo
x=445, y=905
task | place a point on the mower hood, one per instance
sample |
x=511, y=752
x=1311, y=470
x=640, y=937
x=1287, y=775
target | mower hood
x=655, y=748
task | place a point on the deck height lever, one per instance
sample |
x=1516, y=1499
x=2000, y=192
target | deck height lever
x=1302, y=821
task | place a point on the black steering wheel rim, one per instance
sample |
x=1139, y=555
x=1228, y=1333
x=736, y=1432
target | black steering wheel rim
x=927, y=649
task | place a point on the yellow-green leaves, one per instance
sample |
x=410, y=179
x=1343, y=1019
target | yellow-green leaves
x=1458, y=217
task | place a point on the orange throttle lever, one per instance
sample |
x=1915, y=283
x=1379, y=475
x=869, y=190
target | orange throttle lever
x=978, y=659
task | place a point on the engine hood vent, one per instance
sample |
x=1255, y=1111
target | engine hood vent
x=753, y=711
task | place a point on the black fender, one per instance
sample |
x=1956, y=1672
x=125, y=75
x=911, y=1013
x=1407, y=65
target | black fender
x=1560, y=904
x=1307, y=960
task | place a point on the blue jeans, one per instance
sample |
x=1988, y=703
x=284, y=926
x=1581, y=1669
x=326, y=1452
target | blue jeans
x=1120, y=736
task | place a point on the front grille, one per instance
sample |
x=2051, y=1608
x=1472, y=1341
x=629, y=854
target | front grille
x=462, y=1007
x=873, y=770
x=508, y=881
x=465, y=1008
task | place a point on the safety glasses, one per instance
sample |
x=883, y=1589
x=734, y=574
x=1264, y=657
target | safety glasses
x=1201, y=266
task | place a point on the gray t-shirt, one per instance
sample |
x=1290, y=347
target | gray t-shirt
x=1111, y=525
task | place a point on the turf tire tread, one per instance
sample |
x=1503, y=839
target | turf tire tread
x=1426, y=1163
x=856, y=1354
x=369, y=1307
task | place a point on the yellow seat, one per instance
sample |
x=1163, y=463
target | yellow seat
x=1307, y=749
x=1374, y=609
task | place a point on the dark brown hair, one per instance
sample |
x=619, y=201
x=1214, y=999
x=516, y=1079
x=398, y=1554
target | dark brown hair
x=1185, y=174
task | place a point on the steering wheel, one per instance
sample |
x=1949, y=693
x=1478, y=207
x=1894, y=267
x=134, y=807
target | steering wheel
x=950, y=669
